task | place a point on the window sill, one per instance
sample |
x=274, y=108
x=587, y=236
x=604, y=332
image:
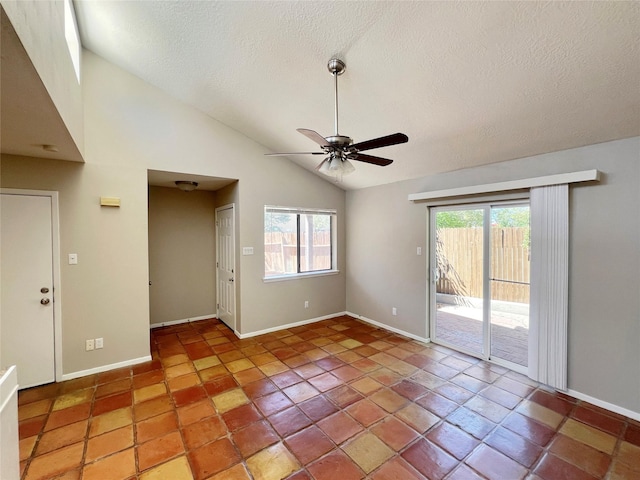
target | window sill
x=282, y=278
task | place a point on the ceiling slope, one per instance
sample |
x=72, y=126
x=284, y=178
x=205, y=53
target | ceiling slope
x=470, y=83
x=28, y=117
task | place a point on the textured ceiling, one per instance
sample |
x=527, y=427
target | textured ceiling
x=470, y=83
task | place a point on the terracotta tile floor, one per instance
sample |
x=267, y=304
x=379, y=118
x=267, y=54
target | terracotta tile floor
x=334, y=400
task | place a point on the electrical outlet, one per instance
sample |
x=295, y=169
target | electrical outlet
x=89, y=345
x=99, y=343
x=306, y=304
x=394, y=311
x=419, y=251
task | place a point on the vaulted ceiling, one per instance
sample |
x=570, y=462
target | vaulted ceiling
x=470, y=83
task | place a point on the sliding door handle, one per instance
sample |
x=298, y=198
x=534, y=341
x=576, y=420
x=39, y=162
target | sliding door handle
x=435, y=275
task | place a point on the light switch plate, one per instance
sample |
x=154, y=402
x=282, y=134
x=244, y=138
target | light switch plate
x=247, y=250
x=73, y=259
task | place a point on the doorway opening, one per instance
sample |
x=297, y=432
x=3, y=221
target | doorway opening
x=480, y=268
x=183, y=245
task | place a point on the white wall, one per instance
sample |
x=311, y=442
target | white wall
x=182, y=254
x=604, y=299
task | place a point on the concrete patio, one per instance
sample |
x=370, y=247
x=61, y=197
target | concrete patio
x=462, y=326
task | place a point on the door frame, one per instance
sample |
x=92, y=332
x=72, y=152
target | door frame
x=56, y=275
x=232, y=207
x=485, y=205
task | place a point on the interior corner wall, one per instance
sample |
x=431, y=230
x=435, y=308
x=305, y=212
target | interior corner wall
x=604, y=277
x=106, y=293
x=182, y=254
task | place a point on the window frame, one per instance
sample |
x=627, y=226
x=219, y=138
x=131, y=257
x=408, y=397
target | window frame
x=333, y=214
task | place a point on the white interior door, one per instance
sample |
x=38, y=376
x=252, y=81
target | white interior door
x=225, y=265
x=26, y=271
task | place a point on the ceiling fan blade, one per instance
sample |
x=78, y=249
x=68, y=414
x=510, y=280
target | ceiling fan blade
x=315, y=136
x=361, y=157
x=284, y=154
x=393, y=139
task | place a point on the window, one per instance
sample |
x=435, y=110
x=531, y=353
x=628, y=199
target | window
x=71, y=36
x=298, y=242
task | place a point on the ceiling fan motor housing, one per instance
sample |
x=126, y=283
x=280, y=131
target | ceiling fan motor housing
x=339, y=141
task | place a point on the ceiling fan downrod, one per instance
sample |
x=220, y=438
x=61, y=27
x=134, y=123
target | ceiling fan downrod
x=336, y=67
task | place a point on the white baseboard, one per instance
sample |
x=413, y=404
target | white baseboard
x=387, y=327
x=289, y=325
x=184, y=320
x=606, y=405
x=580, y=396
x=105, y=368
x=333, y=315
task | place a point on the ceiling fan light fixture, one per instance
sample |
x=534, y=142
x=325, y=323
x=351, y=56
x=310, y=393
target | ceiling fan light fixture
x=336, y=167
x=324, y=166
x=347, y=167
x=186, y=186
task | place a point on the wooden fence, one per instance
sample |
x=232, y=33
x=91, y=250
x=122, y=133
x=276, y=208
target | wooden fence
x=280, y=252
x=459, y=252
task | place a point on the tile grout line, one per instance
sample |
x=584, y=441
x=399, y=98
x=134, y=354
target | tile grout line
x=240, y=346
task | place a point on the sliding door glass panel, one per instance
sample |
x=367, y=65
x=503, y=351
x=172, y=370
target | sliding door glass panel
x=458, y=278
x=509, y=281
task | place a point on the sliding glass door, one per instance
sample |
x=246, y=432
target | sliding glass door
x=480, y=280
x=457, y=271
x=509, y=283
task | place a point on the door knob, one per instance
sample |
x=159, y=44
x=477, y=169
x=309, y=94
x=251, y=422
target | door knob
x=44, y=290
x=45, y=301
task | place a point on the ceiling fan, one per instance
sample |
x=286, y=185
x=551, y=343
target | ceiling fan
x=340, y=148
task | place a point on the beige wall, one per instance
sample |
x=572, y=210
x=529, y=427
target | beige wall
x=131, y=127
x=384, y=271
x=182, y=254
x=130, y=123
x=106, y=294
